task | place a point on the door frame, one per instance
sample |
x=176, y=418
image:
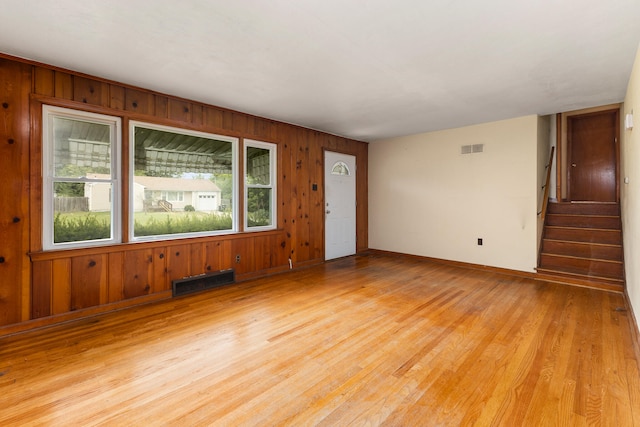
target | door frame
x=563, y=150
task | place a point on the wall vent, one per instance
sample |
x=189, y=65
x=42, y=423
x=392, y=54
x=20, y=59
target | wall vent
x=475, y=148
x=189, y=285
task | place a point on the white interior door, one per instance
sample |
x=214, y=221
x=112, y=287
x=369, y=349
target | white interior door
x=340, y=205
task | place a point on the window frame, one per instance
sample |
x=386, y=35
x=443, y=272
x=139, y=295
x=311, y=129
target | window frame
x=184, y=131
x=49, y=112
x=273, y=169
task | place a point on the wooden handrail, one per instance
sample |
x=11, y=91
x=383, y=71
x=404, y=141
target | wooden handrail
x=545, y=197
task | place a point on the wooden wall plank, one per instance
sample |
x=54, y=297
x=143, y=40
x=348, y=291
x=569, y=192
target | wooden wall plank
x=239, y=122
x=63, y=85
x=213, y=118
x=61, y=295
x=41, y=289
x=287, y=207
x=197, y=259
x=226, y=257
x=227, y=120
x=179, y=110
x=211, y=256
x=90, y=91
x=197, y=115
x=315, y=168
x=15, y=268
x=117, y=96
x=245, y=249
x=116, y=277
x=138, y=273
x=139, y=101
x=162, y=107
x=88, y=279
x=44, y=81
x=179, y=261
x=302, y=196
x=264, y=253
x=161, y=280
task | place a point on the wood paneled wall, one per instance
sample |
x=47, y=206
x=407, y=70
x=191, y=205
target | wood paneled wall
x=58, y=285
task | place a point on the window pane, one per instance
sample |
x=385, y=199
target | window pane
x=80, y=172
x=80, y=147
x=82, y=211
x=259, y=207
x=182, y=183
x=258, y=167
x=340, y=168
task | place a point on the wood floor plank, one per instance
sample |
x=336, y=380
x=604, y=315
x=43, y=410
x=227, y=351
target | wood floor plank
x=378, y=339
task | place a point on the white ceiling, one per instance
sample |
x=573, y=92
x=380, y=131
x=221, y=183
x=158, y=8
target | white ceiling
x=365, y=69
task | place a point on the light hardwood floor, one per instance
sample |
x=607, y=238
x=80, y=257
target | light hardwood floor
x=366, y=340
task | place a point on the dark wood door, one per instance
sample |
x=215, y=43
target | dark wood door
x=593, y=157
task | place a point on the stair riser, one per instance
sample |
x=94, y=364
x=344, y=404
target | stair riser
x=582, y=266
x=584, y=209
x=616, y=285
x=613, y=237
x=583, y=250
x=606, y=222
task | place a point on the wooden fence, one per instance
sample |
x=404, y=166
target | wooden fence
x=71, y=204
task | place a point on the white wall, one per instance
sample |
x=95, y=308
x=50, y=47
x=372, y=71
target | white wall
x=630, y=193
x=427, y=199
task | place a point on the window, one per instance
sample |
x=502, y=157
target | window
x=173, y=196
x=340, y=168
x=80, y=178
x=183, y=182
x=260, y=192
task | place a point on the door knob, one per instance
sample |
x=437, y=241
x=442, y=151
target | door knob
x=573, y=165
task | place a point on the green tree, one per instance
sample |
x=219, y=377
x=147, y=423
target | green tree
x=224, y=181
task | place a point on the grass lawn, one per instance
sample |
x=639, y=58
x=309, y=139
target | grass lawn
x=80, y=226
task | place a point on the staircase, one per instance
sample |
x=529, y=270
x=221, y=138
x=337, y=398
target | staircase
x=582, y=244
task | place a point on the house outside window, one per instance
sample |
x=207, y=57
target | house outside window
x=260, y=185
x=81, y=153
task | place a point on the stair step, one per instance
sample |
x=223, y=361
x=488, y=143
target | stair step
x=587, y=221
x=581, y=234
x=605, y=283
x=584, y=208
x=582, y=249
x=583, y=266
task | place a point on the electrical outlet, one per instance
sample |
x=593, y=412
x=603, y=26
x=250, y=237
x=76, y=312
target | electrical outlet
x=238, y=259
x=479, y=241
